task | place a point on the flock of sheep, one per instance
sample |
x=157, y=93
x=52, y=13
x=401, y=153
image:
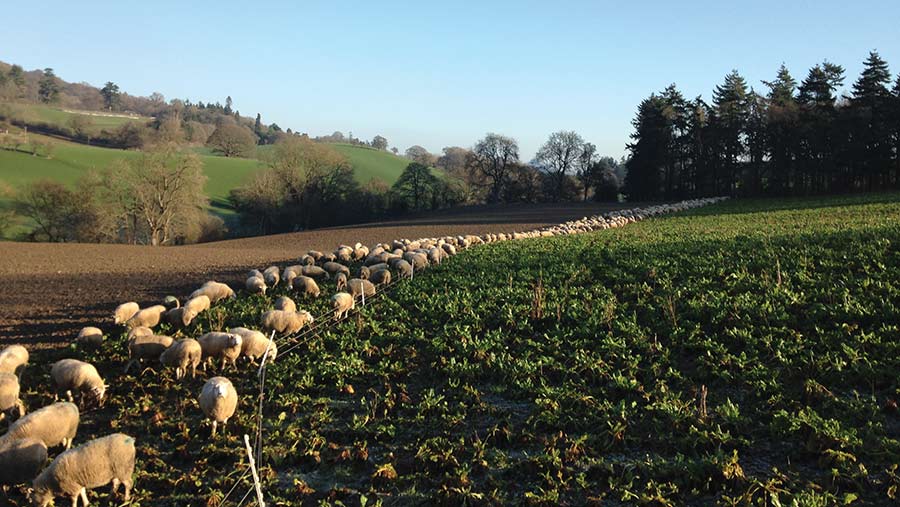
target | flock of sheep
x=111, y=459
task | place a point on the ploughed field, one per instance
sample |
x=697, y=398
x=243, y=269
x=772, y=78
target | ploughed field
x=745, y=353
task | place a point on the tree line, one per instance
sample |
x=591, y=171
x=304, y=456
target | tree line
x=791, y=139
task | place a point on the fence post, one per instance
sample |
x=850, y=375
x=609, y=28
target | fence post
x=259, y=495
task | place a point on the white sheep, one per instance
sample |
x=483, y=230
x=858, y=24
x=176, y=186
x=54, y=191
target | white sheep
x=342, y=303
x=290, y=273
x=306, y=286
x=223, y=346
x=183, y=355
x=270, y=275
x=139, y=331
x=334, y=268
x=195, y=306
x=285, y=303
x=285, y=322
x=90, y=335
x=341, y=281
x=254, y=344
x=360, y=288
x=215, y=291
x=314, y=272
x=21, y=460
x=124, y=312
x=53, y=425
x=218, y=400
x=74, y=375
x=380, y=277
x=147, y=317
x=10, y=404
x=13, y=359
x=146, y=347
x=255, y=285
x=364, y=272
x=91, y=465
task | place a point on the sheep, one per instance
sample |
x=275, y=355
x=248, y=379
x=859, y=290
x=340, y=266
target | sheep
x=341, y=281
x=404, y=268
x=329, y=257
x=449, y=249
x=381, y=277
x=305, y=285
x=286, y=322
x=342, y=304
x=74, y=375
x=290, y=273
x=314, y=272
x=177, y=317
x=146, y=347
x=435, y=255
x=171, y=302
x=218, y=400
x=124, y=312
x=285, y=303
x=364, y=272
x=195, y=306
x=53, y=425
x=254, y=273
x=418, y=260
x=223, y=346
x=215, y=291
x=90, y=465
x=307, y=260
x=183, y=354
x=377, y=267
x=334, y=268
x=316, y=255
x=255, y=285
x=21, y=460
x=10, y=404
x=90, y=336
x=139, y=331
x=360, y=288
x=13, y=360
x=254, y=344
x=270, y=275
x=148, y=317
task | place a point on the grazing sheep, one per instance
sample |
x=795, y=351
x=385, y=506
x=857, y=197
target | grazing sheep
x=139, y=331
x=9, y=397
x=13, y=360
x=314, y=272
x=329, y=257
x=21, y=460
x=177, y=317
x=419, y=261
x=359, y=288
x=435, y=255
x=381, y=277
x=254, y=344
x=404, y=268
x=183, y=354
x=377, y=267
x=254, y=273
x=223, y=346
x=306, y=286
x=124, y=312
x=307, y=260
x=148, y=317
x=74, y=375
x=341, y=281
x=90, y=336
x=334, y=268
x=215, y=291
x=218, y=400
x=290, y=273
x=285, y=322
x=88, y=466
x=364, y=272
x=449, y=249
x=270, y=275
x=316, y=255
x=53, y=425
x=195, y=306
x=171, y=302
x=255, y=285
x=342, y=304
x=285, y=303
x=146, y=347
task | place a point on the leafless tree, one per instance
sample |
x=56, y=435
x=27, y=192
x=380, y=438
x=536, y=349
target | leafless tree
x=559, y=156
x=494, y=157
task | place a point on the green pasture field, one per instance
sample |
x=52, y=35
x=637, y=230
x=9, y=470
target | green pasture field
x=746, y=353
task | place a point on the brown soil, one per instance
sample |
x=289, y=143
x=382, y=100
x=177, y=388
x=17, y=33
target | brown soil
x=49, y=291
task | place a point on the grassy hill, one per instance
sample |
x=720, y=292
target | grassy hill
x=35, y=113
x=370, y=163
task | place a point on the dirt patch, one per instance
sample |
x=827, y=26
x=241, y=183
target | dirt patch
x=49, y=291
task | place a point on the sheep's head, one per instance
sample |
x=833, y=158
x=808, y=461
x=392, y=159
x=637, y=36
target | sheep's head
x=40, y=497
x=307, y=316
x=221, y=391
x=187, y=316
x=99, y=394
x=234, y=340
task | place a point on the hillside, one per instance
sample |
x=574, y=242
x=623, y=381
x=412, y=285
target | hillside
x=370, y=163
x=98, y=120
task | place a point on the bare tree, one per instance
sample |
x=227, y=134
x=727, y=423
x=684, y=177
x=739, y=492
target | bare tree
x=585, y=167
x=379, y=143
x=420, y=155
x=494, y=157
x=232, y=140
x=559, y=156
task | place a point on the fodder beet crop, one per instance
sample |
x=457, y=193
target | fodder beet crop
x=742, y=354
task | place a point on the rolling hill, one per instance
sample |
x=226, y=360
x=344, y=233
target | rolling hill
x=99, y=121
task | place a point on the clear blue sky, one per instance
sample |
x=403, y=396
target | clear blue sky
x=441, y=75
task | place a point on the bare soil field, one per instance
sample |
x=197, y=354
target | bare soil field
x=48, y=291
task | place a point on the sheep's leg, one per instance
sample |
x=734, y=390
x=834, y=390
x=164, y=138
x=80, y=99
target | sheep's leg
x=128, y=366
x=127, y=482
x=178, y=373
x=213, y=429
x=69, y=394
x=115, y=486
x=84, y=496
x=75, y=500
